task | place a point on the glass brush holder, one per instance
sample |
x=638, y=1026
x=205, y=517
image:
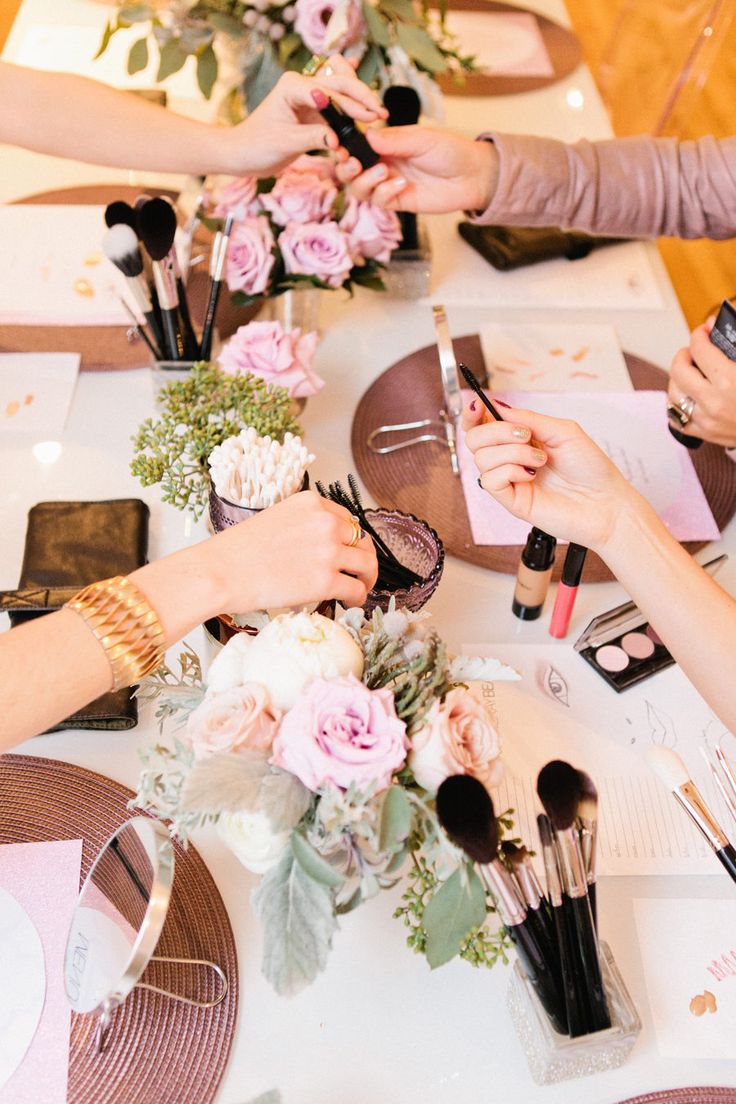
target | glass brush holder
x=553, y=1057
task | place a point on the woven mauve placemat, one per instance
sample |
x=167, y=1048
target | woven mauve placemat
x=106, y=347
x=159, y=1051
x=419, y=480
x=561, y=44
x=693, y=1095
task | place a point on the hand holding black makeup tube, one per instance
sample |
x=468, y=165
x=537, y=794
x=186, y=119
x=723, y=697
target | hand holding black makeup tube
x=706, y=373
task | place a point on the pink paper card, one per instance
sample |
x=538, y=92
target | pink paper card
x=508, y=44
x=631, y=427
x=39, y=886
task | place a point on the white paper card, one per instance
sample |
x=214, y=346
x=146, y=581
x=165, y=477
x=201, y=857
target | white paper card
x=554, y=357
x=561, y=709
x=617, y=277
x=22, y=983
x=36, y=391
x=688, y=951
x=55, y=273
x=503, y=43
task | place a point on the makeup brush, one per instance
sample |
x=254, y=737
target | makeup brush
x=404, y=107
x=574, y=1007
x=120, y=246
x=531, y=894
x=217, y=268
x=567, y=590
x=157, y=227
x=587, y=822
x=138, y=328
x=558, y=786
x=466, y=813
x=671, y=770
x=118, y=212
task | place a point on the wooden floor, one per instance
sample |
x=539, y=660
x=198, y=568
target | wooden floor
x=8, y=12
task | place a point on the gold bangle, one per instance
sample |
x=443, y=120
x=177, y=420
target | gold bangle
x=127, y=627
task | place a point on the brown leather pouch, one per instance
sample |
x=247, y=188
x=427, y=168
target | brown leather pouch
x=69, y=545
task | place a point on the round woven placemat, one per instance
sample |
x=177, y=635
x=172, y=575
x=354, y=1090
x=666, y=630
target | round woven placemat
x=561, y=44
x=692, y=1095
x=106, y=347
x=419, y=480
x=159, y=1051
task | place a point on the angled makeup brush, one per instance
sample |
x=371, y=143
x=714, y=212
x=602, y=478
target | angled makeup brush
x=587, y=824
x=217, y=269
x=558, y=786
x=119, y=212
x=120, y=246
x=531, y=893
x=466, y=813
x=157, y=234
x=574, y=1006
x=157, y=227
x=671, y=770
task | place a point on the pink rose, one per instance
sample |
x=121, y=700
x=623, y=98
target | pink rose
x=457, y=738
x=283, y=359
x=312, y=17
x=299, y=197
x=249, y=257
x=233, y=720
x=236, y=198
x=316, y=249
x=340, y=732
x=373, y=233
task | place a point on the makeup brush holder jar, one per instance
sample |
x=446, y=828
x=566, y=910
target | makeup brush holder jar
x=553, y=1057
x=408, y=274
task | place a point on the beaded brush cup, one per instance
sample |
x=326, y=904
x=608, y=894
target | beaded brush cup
x=417, y=546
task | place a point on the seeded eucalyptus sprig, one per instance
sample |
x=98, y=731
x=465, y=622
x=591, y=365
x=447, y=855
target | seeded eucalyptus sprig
x=198, y=413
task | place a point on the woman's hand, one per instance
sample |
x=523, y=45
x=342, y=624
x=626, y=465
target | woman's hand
x=425, y=169
x=287, y=122
x=291, y=554
x=706, y=375
x=548, y=472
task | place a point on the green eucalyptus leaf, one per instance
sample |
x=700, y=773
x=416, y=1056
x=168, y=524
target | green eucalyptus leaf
x=365, y=277
x=138, y=56
x=377, y=29
x=134, y=13
x=225, y=23
x=206, y=71
x=172, y=59
x=420, y=47
x=313, y=865
x=403, y=10
x=288, y=45
x=458, y=906
x=298, y=922
x=396, y=819
x=107, y=34
x=370, y=65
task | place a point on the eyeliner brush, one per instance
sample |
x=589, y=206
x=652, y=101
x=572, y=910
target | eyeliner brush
x=138, y=328
x=558, y=787
x=574, y=1010
x=120, y=246
x=587, y=824
x=532, y=894
x=217, y=268
x=157, y=224
x=466, y=813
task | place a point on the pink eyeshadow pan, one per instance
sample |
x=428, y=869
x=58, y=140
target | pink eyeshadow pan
x=638, y=645
x=612, y=658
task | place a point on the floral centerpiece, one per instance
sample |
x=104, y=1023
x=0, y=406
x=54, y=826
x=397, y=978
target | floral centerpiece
x=397, y=41
x=301, y=229
x=317, y=748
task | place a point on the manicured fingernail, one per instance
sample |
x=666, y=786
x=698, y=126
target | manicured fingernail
x=530, y=471
x=399, y=182
x=320, y=100
x=479, y=483
x=500, y=402
x=539, y=455
x=521, y=432
x=473, y=406
x=380, y=171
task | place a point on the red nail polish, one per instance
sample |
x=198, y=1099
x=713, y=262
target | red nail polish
x=531, y=471
x=320, y=100
x=500, y=402
x=473, y=406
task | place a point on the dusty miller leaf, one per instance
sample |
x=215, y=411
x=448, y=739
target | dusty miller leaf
x=313, y=865
x=284, y=799
x=458, y=906
x=396, y=818
x=297, y=918
x=224, y=783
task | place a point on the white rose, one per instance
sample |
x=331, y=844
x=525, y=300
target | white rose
x=252, y=840
x=226, y=669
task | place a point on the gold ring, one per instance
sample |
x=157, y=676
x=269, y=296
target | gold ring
x=686, y=405
x=314, y=65
x=357, y=532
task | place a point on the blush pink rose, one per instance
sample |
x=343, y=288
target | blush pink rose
x=232, y=720
x=312, y=17
x=299, y=197
x=340, y=732
x=249, y=257
x=236, y=198
x=316, y=249
x=283, y=359
x=373, y=233
x=457, y=738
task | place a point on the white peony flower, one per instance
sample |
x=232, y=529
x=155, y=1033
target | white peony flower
x=226, y=669
x=481, y=669
x=252, y=840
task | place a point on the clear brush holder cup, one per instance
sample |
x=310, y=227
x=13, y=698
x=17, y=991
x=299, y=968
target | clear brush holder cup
x=553, y=1057
x=408, y=275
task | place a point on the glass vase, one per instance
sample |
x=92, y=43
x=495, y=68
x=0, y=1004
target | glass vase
x=295, y=308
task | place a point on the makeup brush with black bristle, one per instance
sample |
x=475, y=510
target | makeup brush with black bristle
x=574, y=1007
x=157, y=228
x=154, y=227
x=532, y=895
x=120, y=246
x=404, y=108
x=119, y=212
x=466, y=813
x=587, y=824
x=217, y=271
x=558, y=786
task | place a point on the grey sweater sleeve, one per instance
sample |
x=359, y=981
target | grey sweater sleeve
x=637, y=187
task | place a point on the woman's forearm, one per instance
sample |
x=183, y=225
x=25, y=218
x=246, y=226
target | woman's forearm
x=676, y=594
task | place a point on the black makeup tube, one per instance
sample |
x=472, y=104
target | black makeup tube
x=535, y=572
x=723, y=336
x=354, y=141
